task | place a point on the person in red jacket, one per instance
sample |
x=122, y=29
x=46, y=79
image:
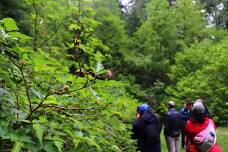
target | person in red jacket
x=198, y=122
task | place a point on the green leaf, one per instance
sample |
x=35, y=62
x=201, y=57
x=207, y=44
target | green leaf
x=22, y=37
x=17, y=147
x=51, y=100
x=58, y=142
x=3, y=91
x=37, y=93
x=3, y=131
x=115, y=148
x=73, y=26
x=39, y=131
x=99, y=67
x=43, y=119
x=10, y=24
x=49, y=147
x=91, y=142
x=76, y=142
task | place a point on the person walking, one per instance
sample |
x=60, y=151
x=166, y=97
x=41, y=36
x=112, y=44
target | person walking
x=185, y=113
x=173, y=125
x=200, y=131
x=146, y=129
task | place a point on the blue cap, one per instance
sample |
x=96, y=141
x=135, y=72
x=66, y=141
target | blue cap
x=144, y=107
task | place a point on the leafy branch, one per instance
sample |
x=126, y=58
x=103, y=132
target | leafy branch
x=58, y=92
x=16, y=91
x=66, y=109
x=23, y=77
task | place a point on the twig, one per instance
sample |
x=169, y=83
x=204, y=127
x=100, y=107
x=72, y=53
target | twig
x=24, y=80
x=26, y=89
x=16, y=91
x=58, y=92
x=68, y=108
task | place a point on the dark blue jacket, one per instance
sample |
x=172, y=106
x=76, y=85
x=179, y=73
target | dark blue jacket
x=140, y=132
x=173, y=123
x=185, y=114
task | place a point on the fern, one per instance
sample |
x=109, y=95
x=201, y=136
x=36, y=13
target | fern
x=17, y=147
x=58, y=142
x=38, y=131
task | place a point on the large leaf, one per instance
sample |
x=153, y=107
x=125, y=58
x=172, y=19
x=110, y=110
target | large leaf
x=38, y=131
x=10, y=24
x=3, y=131
x=58, y=142
x=37, y=93
x=49, y=147
x=22, y=37
x=17, y=147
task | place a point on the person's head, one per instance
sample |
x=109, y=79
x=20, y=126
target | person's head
x=143, y=108
x=198, y=111
x=188, y=104
x=199, y=100
x=171, y=104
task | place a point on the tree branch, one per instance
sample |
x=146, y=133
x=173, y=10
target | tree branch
x=24, y=80
x=16, y=91
x=26, y=89
x=73, y=108
x=58, y=92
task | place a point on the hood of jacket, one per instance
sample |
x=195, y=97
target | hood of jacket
x=148, y=117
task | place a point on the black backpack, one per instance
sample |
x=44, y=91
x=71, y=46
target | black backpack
x=174, y=121
x=152, y=132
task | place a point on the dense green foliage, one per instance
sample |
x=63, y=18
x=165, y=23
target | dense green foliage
x=72, y=72
x=47, y=107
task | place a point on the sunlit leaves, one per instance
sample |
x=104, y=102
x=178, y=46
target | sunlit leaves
x=10, y=24
x=17, y=147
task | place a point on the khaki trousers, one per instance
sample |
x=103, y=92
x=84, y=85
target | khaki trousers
x=173, y=144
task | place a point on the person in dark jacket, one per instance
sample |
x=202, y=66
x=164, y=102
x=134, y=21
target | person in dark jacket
x=146, y=129
x=185, y=114
x=173, y=126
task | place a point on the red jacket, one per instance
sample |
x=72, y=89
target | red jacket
x=192, y=129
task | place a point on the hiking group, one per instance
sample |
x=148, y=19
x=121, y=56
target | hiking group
x=192, y=123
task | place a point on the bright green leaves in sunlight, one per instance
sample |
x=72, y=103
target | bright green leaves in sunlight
x=10, y=24
x=9, y=30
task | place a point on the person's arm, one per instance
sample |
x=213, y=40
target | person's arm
x=136, y=128
x=187, y=140
x=166, y=122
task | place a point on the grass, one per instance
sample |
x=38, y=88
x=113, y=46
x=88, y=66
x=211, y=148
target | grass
x=222, y=135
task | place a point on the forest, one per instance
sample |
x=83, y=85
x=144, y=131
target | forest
x=72, y=72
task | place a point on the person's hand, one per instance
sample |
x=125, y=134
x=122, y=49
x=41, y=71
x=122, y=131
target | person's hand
x=137, y=115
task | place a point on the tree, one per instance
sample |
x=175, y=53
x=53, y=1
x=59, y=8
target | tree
x=216, y=12
x=111, y=32
x=189, y=21
x=153, y=44
x=200, y=72
x=135, y=16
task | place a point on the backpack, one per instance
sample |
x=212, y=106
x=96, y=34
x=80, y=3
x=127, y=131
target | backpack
x=174, y=121
x=152, y=132
x=206, y=139
x=185, y=114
